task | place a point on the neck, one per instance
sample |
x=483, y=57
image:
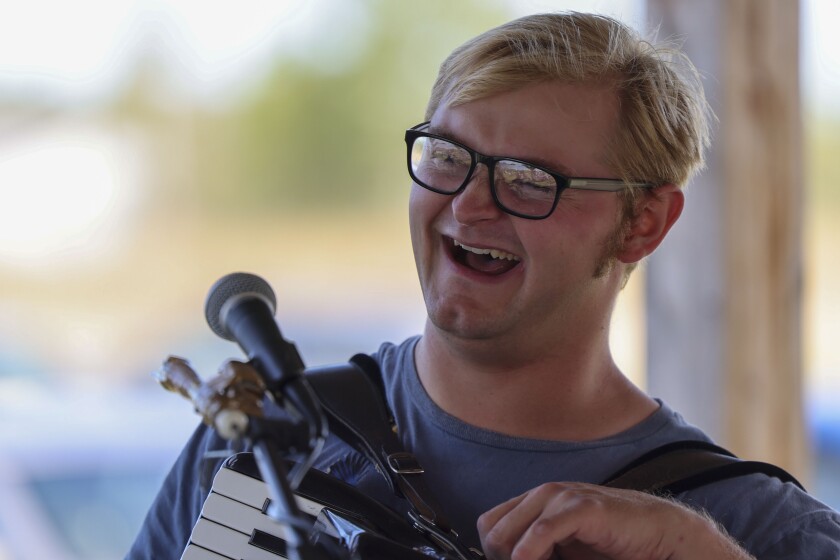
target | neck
x=575, y=392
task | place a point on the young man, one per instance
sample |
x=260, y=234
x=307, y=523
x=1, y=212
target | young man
x=551, y=164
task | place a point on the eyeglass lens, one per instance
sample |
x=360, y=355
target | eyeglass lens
x=445, y=167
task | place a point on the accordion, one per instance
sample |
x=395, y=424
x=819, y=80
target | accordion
x=234, y=523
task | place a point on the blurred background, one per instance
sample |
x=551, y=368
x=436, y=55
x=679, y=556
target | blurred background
x=148, y=147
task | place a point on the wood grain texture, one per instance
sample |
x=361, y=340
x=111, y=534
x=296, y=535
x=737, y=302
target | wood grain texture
x=741, y=310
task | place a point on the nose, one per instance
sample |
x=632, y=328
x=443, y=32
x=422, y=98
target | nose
x=475, y=203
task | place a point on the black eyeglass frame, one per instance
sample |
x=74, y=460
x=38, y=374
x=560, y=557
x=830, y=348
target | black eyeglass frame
x=563, y=181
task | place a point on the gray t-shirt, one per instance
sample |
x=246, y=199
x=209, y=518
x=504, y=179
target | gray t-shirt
x=471, y=470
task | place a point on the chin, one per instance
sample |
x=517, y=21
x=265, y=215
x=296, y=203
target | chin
x=466, y=324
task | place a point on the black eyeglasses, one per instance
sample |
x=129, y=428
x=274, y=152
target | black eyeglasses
x=518, y=187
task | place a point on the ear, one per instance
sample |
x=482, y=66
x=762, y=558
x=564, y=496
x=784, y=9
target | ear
x=655, y=212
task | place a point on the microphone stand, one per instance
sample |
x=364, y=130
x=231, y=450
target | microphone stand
x=284, y=509
x=271, y=446
x=232, y=403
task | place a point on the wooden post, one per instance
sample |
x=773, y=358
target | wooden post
x=725, y=293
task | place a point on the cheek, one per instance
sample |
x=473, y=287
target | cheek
x=423, y=207
x=586, y=219
x=561, y=245
x=421, y=211
x=415, y=200
x=415, y=213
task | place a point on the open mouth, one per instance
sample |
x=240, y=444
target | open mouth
x=486, y=261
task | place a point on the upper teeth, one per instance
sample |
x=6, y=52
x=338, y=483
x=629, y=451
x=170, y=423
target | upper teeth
x=495, y=253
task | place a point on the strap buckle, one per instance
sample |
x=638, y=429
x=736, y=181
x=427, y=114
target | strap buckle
x=403, y=462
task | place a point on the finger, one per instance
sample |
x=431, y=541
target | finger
x=546, y=536
x=489, y=520
x=503, y=527
x=556, y=523
x=604, y=522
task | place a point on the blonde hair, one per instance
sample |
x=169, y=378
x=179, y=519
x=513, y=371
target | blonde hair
x=663, y=115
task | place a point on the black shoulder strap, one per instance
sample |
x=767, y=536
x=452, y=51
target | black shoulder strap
x=685, y=465
x=353, y=397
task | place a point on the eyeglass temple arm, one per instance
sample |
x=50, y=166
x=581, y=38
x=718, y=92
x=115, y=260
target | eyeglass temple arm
x=608, y=185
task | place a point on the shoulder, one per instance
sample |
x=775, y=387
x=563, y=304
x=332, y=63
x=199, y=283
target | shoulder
x=395, y=361
x=393, y=357
x=771, y=518
x=814, y=535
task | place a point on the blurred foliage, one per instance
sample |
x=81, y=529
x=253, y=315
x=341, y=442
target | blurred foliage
x=322, y=138
x=308, y=137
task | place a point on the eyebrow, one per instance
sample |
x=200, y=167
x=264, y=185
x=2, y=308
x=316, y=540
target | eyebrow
x=539, y=162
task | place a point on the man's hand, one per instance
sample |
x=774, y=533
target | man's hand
x=575, y=521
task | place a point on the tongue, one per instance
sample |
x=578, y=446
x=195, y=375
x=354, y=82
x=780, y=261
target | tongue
x=487, y=264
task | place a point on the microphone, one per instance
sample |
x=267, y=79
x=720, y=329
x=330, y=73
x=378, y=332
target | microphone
x=240, y=307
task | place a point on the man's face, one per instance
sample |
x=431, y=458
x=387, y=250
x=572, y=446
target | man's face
x=548, y=276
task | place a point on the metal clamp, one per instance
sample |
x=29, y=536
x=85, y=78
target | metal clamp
x=404, y=462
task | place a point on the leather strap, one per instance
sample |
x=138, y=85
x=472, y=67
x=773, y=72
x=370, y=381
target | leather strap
x=685, y=465
x=358, y=413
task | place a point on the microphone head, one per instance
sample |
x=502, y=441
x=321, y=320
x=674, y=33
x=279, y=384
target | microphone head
x=230, y=289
